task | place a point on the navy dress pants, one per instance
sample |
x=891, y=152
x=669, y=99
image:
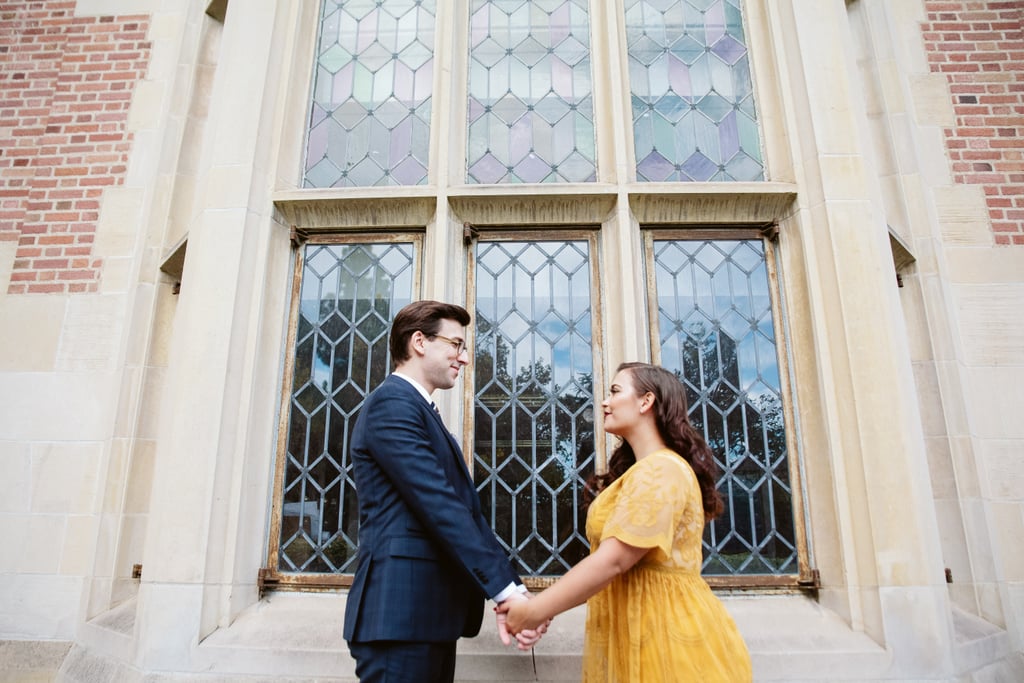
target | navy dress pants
x=391, y=661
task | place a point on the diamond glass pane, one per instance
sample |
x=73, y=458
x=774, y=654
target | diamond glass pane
x=533, y=401
x=369, y=121
x=531, y=110
x=349, y=295
x=692, y=96
x=716, y=332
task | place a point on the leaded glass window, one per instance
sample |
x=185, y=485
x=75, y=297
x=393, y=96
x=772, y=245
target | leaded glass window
x=531, y=111
x=370, y=117
x=715, y=329
x=347, y=295
x=692, y=94
x=533, y=403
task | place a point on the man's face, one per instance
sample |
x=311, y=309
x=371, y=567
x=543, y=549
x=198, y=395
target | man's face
x=441, y=361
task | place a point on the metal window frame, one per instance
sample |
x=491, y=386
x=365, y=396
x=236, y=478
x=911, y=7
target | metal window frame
x=806, y=576
x=271, y=576
x=527, y=233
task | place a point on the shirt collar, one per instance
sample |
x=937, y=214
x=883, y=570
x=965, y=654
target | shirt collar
x=419, y=387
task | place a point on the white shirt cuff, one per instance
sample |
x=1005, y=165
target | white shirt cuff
x=507, y=592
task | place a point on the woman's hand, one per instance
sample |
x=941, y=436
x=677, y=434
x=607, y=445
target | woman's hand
x=520, y=616
x=527, y=638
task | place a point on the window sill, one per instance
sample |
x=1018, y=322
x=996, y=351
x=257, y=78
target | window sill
x=565, y=205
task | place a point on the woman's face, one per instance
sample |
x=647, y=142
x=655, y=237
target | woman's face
x=622, y=406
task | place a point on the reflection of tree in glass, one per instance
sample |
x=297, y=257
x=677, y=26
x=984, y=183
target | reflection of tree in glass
x=339, y=356
x=533, y=451
x=747, y=434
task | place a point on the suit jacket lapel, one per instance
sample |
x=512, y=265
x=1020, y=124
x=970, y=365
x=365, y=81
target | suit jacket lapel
x=456, y=448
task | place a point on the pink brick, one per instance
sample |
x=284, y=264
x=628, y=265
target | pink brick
x=984, y=43
x=48, y=288
x=51, y=174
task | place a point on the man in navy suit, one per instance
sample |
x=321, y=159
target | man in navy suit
x=427, y=555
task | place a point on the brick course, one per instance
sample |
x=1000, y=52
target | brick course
x=979, y=46
x=65, y=89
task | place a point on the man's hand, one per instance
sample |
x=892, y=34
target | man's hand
x=500, y=610
x=525, y=638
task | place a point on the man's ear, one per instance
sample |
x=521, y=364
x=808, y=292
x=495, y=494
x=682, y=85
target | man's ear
x=417, y=342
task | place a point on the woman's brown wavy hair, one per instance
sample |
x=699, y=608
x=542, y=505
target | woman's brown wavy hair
x=670, y=414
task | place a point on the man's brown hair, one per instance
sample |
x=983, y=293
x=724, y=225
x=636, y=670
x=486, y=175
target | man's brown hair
x=425, y=316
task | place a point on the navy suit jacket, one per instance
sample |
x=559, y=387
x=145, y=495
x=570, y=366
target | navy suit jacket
x=427, y=556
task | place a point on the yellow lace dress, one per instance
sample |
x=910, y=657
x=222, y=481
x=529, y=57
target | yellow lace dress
x=659, y=621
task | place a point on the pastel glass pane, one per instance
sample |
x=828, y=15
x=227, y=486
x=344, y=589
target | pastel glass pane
x=692, y=96
x=715, y=330
x=533, y=408
x=349, y=295
x=530, y=109
x=369, y=119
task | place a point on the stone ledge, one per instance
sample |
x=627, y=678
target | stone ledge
x=296, y=638
x=31, y=655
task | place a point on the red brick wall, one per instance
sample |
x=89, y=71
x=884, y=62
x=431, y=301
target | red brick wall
x=65, y=88
x=979, y=46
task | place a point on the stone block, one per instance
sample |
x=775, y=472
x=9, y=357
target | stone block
x=28, y=661
x=991, y=327
x=1007, y=520
x=963, y=215
x=57, y=406
x=994, y=396
x=65, y=477
x=31, y=332
x=79, y=551
x=92, y=333
x=1003, y=466
x=42, y=540
x=119, y=223
x=933, y=105
x=39, y=606
x=15, y=477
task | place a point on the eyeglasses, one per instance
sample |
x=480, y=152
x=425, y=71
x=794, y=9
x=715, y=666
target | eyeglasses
x=459, y=344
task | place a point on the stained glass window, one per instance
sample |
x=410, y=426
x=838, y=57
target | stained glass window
x=715, y=329
x=348, y=296
x=533, y=418
x=531, y=112
x=529, y=117
x=370, y=118
x=692, y=94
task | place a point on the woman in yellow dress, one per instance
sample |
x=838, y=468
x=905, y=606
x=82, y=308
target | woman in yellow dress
x=650, y=616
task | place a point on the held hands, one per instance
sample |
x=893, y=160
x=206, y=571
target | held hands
x=525, y=637
x=515, y=619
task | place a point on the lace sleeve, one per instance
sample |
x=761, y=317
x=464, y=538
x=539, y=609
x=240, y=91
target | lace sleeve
x=650, y=503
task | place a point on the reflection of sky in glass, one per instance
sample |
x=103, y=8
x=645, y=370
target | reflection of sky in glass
x=540, y=295
x=336, y=278
x=321, y=371
x=722, y=285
